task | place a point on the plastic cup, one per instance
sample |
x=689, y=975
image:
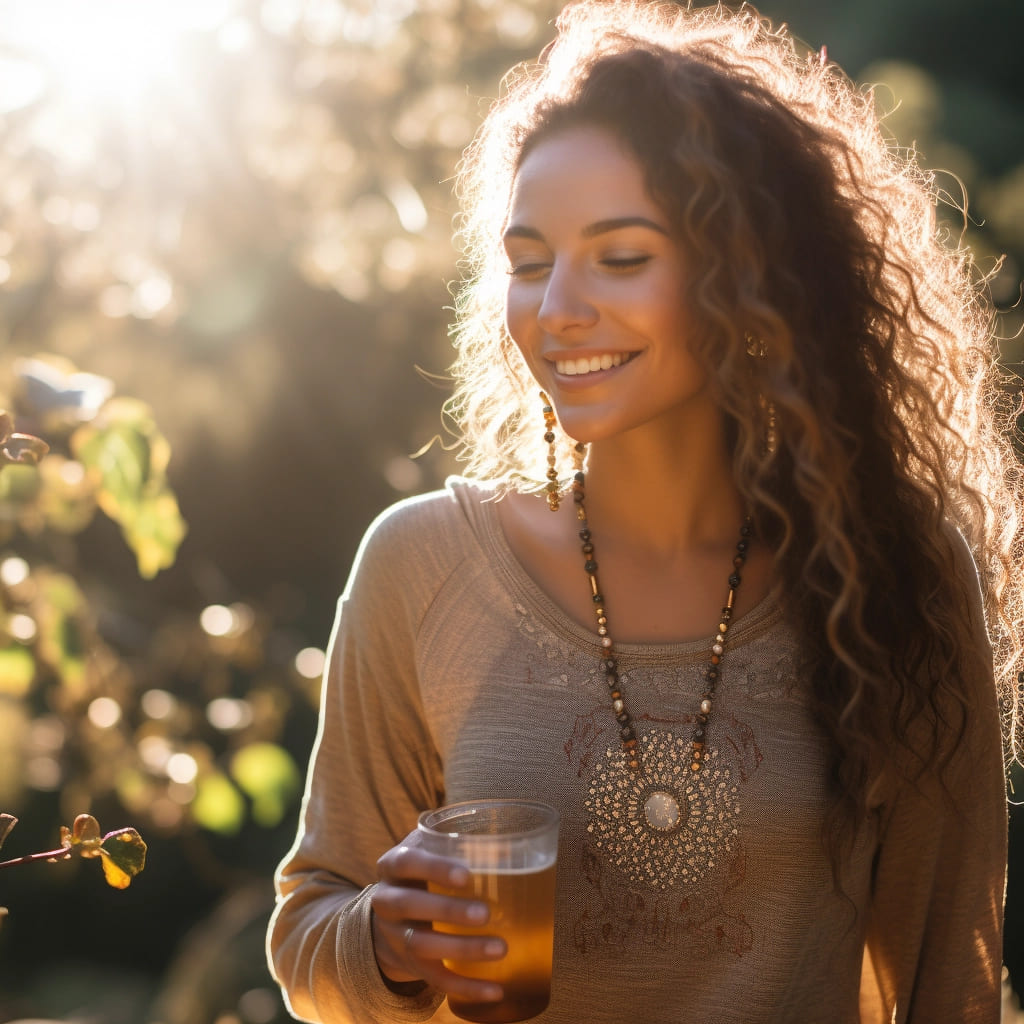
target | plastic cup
x=510, y=848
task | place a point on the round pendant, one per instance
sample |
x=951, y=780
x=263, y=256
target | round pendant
x=662, y=811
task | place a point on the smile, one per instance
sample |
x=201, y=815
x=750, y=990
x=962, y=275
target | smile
x=592, y=364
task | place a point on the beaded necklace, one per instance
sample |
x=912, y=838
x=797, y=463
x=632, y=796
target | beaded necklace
x=661, y=807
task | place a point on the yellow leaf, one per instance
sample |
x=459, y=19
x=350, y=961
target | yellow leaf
x=123, y=856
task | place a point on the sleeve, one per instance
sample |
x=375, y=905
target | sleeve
x=934, y=940
x=374, y=767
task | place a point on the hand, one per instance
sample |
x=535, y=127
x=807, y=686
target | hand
x=406, y=946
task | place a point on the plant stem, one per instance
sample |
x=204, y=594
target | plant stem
x=61, y=854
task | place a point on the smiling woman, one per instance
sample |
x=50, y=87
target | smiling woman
x=706, y=303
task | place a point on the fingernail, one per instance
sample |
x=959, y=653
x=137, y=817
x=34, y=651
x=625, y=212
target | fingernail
x=477, y=913
x=494, y=947
x=458, y=875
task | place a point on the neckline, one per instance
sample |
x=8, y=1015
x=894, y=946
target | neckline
x=742, y=629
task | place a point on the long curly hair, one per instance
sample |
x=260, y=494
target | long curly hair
x=824, y=295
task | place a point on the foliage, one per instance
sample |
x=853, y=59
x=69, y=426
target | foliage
x=121, y=853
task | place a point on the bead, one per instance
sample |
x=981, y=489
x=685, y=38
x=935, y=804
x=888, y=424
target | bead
x=622, y=716
x=548, y=436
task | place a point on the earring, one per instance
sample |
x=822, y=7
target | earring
x=554, y=499
x=757, y=349
x=771, y=433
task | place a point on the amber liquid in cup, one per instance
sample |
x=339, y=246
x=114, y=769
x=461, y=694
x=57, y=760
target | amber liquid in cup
x=521, y=913
x=515, y=875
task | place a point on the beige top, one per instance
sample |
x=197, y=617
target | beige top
x=452, y=676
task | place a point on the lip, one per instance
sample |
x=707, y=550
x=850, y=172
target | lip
x=621, y=359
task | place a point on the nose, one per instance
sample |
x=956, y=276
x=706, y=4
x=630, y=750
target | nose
x=566, y=303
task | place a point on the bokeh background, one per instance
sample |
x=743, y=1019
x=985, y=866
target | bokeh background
x=225, y=268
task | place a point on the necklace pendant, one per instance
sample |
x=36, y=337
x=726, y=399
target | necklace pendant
x=662, y=810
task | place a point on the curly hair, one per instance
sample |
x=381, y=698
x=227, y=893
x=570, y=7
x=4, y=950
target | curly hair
x=823, y=290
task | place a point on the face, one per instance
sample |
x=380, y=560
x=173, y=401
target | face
x=595, y=293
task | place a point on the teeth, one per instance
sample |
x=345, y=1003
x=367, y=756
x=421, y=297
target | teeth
x=575, y=367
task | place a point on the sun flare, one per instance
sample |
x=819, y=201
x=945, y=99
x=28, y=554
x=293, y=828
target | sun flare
x=105, y=52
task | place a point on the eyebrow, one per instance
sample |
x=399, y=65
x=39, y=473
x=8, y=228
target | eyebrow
x=600, y=227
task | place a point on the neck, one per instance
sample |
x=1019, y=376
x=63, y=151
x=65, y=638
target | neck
x=666, y=500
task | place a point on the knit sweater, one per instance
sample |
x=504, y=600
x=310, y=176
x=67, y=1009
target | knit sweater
x=452, y=676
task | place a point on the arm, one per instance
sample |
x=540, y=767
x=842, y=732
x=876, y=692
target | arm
x=374, y=767
x=935, y=927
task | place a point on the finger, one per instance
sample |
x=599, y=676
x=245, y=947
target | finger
x=407, y=863
x=404, y=904
x=428, y=950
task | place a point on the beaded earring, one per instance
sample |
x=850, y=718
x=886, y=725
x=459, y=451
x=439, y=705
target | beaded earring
x=771, y=433
x=578, y=455
x=554, y=499
x=757, y=349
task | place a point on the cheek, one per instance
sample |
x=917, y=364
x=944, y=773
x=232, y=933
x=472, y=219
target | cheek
x=519, y=314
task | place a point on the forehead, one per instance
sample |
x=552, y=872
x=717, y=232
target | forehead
x=582, y=172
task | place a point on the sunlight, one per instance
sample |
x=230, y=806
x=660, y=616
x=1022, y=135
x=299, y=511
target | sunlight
x=107, y=51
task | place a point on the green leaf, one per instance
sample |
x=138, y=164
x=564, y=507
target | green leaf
x=267, y=774
x=155, y=533
x=124, y=856
x=17, y=670
x=118, y=455
x=128, y=456
x=218, y=806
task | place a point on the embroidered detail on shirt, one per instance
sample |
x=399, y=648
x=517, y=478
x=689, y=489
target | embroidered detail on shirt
x=649, y=848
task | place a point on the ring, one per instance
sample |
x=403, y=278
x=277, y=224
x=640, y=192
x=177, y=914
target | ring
x=409, y=932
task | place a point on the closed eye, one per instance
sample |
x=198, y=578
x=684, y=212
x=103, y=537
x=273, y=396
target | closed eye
x=625, y=262
x=528, y=269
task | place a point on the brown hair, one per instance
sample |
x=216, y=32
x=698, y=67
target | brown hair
x=821, y=289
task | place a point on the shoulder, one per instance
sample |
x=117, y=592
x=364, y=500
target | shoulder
x=433, y=516
x=426, y=536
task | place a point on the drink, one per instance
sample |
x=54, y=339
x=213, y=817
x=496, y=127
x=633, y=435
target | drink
x=510, y=849
x=521, y=902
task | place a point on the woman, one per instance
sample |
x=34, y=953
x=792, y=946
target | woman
x=742, y=645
